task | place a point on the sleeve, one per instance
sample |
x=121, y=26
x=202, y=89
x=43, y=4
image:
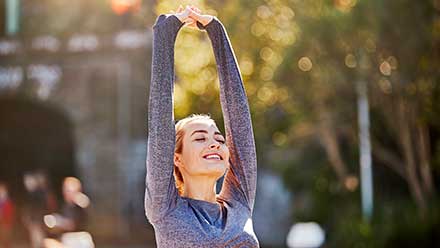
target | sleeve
x=241, y=179
x=160, y=186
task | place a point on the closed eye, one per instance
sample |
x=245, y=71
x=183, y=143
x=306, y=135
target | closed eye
x=203, y=139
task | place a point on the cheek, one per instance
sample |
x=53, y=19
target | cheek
x=227, y=154
x=192, y=151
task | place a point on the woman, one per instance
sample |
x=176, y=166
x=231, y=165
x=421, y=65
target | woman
x=191, y=214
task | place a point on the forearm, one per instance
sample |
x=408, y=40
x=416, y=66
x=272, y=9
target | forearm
x=236, y=113
x=161, y=132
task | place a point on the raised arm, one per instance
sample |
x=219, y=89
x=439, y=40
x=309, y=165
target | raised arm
x=160, y=187
x=241, y=180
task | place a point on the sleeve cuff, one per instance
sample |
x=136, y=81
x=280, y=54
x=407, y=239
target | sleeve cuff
x=167, y=18
x=201, y=27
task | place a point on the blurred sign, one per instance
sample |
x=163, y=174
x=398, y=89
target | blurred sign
x=8, y=47
x=81, y=43
x=10, y=77
x=46, y=75
x=128, y=39
x=46, y=43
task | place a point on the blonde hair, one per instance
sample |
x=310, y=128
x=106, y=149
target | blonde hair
x=180, y=132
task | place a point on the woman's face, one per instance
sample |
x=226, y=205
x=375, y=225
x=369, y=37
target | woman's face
x=201, y=139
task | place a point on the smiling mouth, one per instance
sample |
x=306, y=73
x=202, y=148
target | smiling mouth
x=213, y=157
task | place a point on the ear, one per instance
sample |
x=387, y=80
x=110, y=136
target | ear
x=178, y=160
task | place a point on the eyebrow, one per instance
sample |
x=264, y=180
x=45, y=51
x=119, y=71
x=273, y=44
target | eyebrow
x=204, y=131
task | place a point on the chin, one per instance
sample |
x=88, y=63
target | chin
x=216, y=169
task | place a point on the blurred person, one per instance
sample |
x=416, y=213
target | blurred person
x=34, y=210
x=40, y=201
x=48, y=195
x=185, y=160
x=7, y=214
x=69, y=223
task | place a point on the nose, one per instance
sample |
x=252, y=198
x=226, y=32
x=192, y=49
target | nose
x=215, y=144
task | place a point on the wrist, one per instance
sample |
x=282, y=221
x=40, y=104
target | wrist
x=206, y=23
x=179, y=16
x=206, y=19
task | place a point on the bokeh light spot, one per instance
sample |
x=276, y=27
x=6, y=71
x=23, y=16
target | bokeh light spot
x=385, y=68
x=393, y=62
x=266, y=73
x=305, y=64
x=279, y=138
x=50, y=221
x=264, y=12
x=345, y=5
x=350, y=61
x=385, y=86
x=351, y=183
x=266, y=53
x=258, y=29
x=246, y=66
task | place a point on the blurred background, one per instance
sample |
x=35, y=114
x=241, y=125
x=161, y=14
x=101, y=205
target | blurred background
x=343, y=97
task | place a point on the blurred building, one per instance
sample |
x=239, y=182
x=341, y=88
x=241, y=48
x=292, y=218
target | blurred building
x=77, y=105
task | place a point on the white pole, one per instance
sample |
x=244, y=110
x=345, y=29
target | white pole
x=365, y=150
x=12, y=16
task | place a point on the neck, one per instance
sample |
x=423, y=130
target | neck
x=200, y=188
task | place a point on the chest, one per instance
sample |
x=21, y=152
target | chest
x=198, y=227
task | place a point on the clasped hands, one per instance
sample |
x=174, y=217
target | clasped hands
x=190, y=15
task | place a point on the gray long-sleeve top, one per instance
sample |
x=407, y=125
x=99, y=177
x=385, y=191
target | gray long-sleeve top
x=184, y=222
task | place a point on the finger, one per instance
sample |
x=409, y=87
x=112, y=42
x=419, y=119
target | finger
x=198, y=10
x=180, y=8
x=189, y=8
x=188, y=21
x=187, y=11
x=194, y=8
x=193, y=14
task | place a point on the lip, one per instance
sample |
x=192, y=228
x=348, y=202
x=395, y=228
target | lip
x=213, y=153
